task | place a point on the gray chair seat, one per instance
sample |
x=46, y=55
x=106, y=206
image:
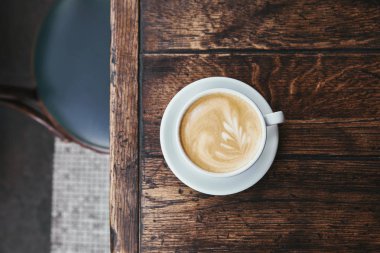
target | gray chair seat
x=72, y=68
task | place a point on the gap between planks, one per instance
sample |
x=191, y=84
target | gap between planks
x=328, y=51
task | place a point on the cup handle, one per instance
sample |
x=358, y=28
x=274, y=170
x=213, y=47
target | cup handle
x=274, y=118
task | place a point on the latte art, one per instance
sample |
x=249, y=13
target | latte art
x=220, y=132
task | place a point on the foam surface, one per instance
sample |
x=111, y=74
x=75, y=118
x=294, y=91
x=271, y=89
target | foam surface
x=220, y=132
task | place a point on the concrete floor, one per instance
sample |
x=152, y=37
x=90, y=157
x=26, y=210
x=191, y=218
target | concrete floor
x=26, y=158
x=26, y=148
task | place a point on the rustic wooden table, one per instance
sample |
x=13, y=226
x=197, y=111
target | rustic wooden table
x=318, y=61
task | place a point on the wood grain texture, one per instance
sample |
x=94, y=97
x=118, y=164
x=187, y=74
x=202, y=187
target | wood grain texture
x=124, y=185
x=331, y=102
x=264, y=24
x=323, y=138
x=322, y=192
x=300, y=205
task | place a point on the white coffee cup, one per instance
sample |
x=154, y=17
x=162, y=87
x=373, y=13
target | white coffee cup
x=265, y=121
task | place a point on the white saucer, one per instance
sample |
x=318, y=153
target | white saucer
x=196, y=180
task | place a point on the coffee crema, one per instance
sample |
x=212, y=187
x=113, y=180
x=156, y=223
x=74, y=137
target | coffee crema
x=220, y=132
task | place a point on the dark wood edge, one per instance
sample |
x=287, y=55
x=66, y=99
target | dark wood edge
x=67, y=135
x=33, y=114
x=26, y=101
x=17, y=93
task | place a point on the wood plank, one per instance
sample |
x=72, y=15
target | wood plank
x=267, y=24
x=331, y=102
x=124, y=185
x=321, y=194
x=299, y=205
x=333, y=138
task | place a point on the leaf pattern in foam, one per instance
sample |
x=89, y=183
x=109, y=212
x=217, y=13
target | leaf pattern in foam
x=234, y=139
